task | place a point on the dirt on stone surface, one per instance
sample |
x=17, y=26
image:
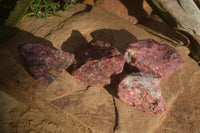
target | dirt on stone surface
x=19, y=118
x=68, y=105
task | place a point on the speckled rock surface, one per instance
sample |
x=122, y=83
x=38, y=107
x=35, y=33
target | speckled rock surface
x=149, y=56
x=44, y=62
x=142, y=91
x=97, y=62
x=180, y=91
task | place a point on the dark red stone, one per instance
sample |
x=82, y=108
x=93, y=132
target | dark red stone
x=149, y=56
x=44, y=62
x=141, y=90
x=97, y=62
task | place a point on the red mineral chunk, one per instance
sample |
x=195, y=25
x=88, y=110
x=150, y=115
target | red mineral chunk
x=149, y=56
x=97, y=62
x=44, y=62
x=141, y=90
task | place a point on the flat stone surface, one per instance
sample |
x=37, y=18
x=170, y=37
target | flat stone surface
x=96, y=62
x=65, y=84
x=7, y=104
x=118, y=8
x=17, y=117
x=184, y=115
x=58, y=32
x=93, y=107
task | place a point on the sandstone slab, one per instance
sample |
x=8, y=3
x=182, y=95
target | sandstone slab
x=93, y=107
x=118, y=8
x=100, y=25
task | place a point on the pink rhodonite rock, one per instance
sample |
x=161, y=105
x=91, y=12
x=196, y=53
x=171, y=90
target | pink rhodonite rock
x=97, y=62
x=149, y=56
x=141, y=90
x=45, y=63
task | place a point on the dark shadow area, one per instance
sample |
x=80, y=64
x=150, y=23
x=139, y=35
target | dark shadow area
x=116, y=79
x=119, y=39
x=194, y=48
x=135, y=8
x=22, y=37
x=197, y=2
x=74, y=43
x=87, y=9
x=163, y=29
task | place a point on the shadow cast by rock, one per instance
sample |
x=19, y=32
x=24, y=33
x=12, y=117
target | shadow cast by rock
x=116, y=79
x=135, y=8
x=74, y=43
x=87, y=9
x=23, y=37
x=163, y=29
x=119, y=39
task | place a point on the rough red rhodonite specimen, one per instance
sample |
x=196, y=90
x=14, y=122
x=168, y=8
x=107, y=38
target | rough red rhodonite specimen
x=141, y=90
x=97, y=62
x=44, y=62
x=149, y=56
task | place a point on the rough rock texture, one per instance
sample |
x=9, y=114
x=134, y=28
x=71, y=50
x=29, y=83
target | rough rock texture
x=149, y=56
x=187, y=17
x=45, y=63
x=141, y=90
x=97, y=62
x=181, y=90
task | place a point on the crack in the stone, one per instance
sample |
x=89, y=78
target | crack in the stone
x=61, y=24
x=87, y=88
x=174, y=42
x=38, y=29
x=116, y=115
x=84, y=90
